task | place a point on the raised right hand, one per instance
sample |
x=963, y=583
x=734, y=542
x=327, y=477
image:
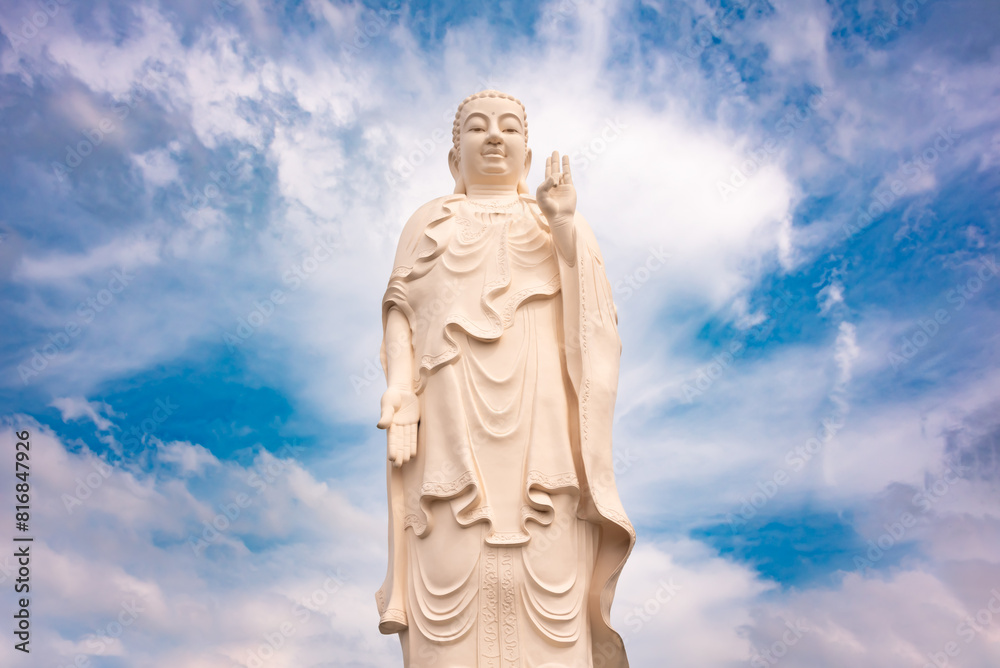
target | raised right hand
x=556, y=195
x=400, y=415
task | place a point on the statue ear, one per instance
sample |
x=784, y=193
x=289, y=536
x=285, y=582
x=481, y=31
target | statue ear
x=456, y=173
x=522, y=185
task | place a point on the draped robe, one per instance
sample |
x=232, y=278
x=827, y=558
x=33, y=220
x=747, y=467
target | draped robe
x=506, y=532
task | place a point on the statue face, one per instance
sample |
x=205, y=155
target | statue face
x=492, y=148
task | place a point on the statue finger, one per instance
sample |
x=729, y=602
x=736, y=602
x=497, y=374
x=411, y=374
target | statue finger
x=402, y=451
x=404, y=447
x=567, y=175
x=391, y=401
x=555, y=163
x=386, y=418
x=413, y=440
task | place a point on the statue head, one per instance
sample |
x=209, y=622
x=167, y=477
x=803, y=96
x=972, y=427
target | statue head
x=490, y=142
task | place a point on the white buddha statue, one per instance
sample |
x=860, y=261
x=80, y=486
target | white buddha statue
x=501, y=352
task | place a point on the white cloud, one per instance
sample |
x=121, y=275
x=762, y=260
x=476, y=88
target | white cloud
x=797, y=34
x=846, y=353
x=904, y=440
x=191, y=457
x=126, y=544
x=679, y=604
x=899, y=620
x=110, y=65
x=305, y=587
x=74, y=408
x=830, y=296
x=157, y=165
x=96, y=264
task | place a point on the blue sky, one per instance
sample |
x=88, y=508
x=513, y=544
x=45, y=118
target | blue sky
x=798, y=207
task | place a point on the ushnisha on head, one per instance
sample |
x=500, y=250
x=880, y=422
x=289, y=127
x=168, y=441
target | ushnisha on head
x=490, y=144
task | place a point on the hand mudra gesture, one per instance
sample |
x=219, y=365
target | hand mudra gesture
x=556, y=195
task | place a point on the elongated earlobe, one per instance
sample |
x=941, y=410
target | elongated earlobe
x=456, y=173
x=522, y=185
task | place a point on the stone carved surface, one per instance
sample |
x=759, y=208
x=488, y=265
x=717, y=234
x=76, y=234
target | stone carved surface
x=501, y=349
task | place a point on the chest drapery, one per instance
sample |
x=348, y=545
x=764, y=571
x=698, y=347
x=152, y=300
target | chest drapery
x=469, y=271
